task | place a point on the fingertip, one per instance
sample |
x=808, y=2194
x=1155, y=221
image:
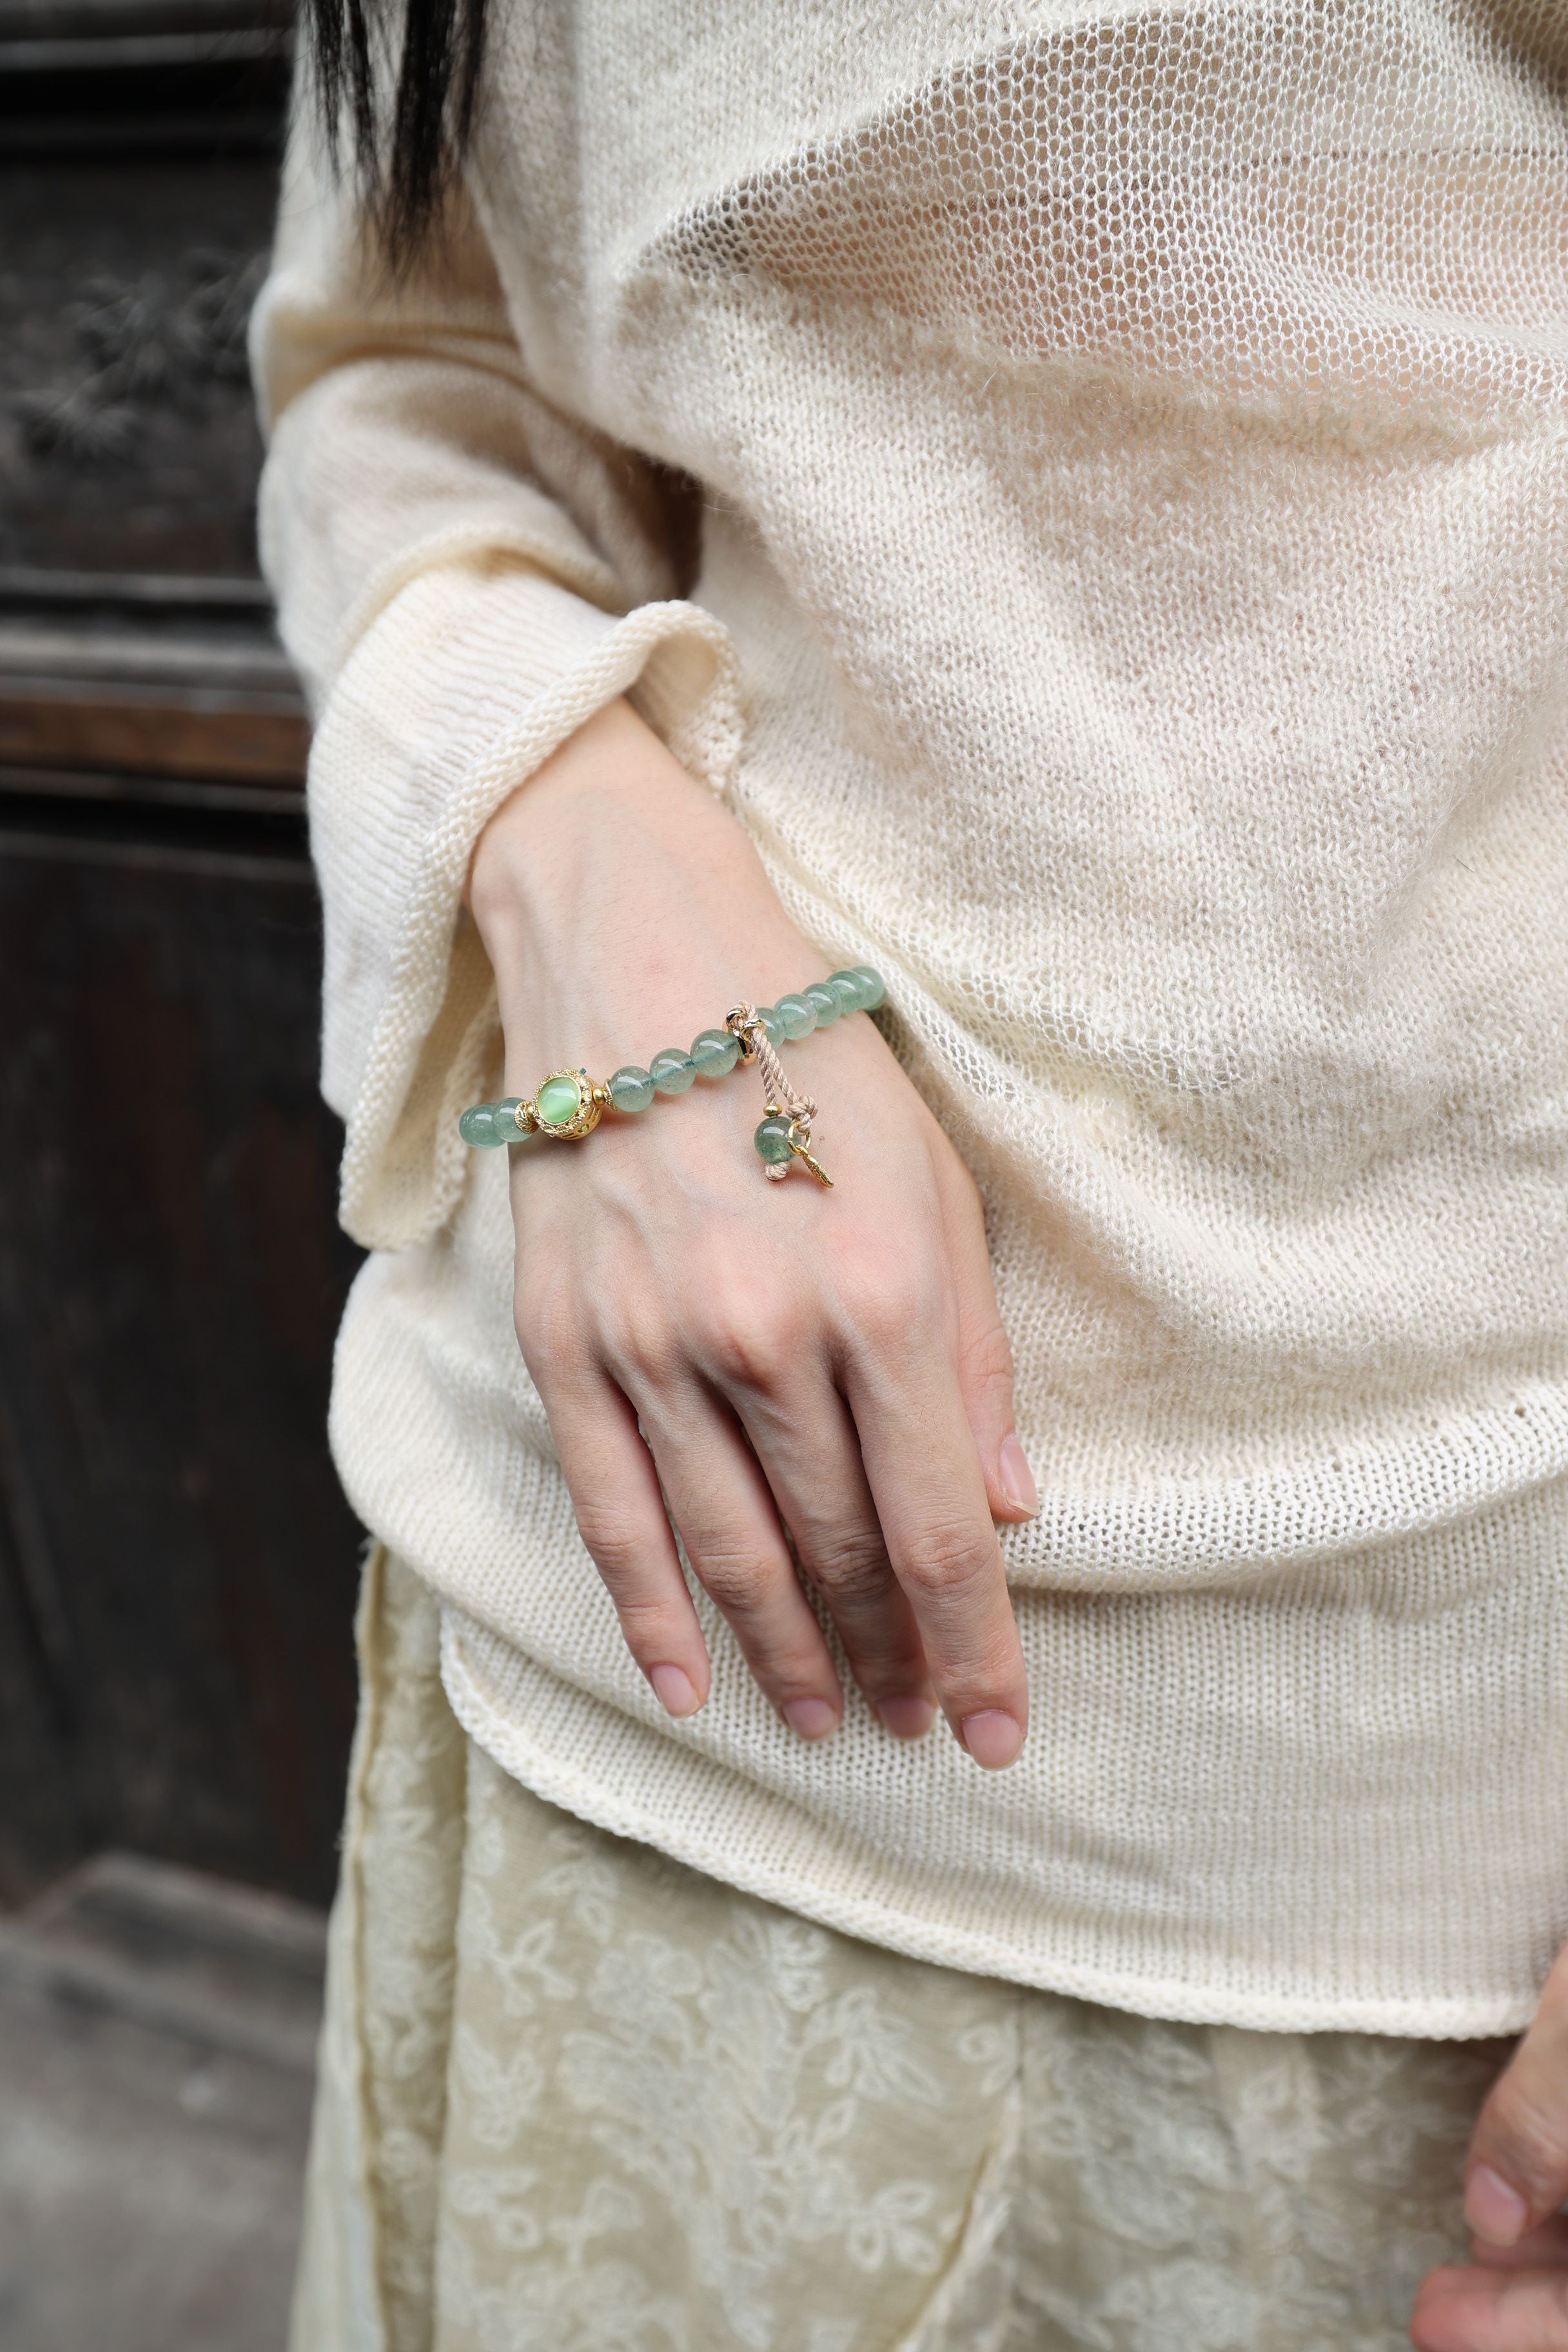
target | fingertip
x=992, y=1736
x=908, y=1715
x=1447, y=2304
x=1020, y=1496
x=675, y=1690
x=810, y=1718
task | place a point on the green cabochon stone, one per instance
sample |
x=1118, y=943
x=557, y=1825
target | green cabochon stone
x=557, y=1101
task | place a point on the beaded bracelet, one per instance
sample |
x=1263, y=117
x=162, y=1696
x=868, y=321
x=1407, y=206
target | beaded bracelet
x=569, y=1104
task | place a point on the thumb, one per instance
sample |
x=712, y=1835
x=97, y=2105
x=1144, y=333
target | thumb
x=1517, y=2172
x=985, y=1357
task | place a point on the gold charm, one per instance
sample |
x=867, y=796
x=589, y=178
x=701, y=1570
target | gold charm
x=800, y=1144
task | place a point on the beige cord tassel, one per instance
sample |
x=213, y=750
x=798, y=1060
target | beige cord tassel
x=785, y=1132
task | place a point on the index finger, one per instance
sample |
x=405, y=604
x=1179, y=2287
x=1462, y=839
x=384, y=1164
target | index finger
x=929, y=1493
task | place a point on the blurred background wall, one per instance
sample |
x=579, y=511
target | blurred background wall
x=177, y=1567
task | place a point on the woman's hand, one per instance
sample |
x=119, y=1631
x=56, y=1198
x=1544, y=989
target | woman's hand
x=1513, y=2294
x=773, y=1357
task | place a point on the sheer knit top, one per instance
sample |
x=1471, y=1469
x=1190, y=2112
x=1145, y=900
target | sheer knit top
x=1087, y=481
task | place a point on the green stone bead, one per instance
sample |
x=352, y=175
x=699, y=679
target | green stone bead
x=558, y=1102
x=846, y=988
x=873, y=988
x=672, y=1071
x=823, y=1003
x=476, y=1127
x=768, y=1014
x=796, y=1016
x=771, y=1140
x=631, y=1088
x=503, y=1116
x=715, y=1053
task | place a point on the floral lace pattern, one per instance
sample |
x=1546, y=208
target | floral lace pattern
x=576, y=2097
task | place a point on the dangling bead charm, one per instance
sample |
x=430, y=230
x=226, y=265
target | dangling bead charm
x=774, y=1146
x=785, y=1134
x=780, y=1139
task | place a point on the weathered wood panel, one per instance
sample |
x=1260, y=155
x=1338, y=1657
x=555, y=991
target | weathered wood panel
x=177, y=1566
x=170, y=730
x=177, y=1563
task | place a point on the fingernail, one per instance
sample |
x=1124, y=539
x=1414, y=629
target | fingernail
x=991, y=1737
x=1494, y=2210
x=812, y=1717
x=1017, y=1478
x=908, y=1716
x=674, y=1689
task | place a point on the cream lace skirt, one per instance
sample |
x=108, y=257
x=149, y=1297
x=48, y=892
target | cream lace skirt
x=576, y=2097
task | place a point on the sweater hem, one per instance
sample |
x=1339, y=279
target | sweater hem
x=873, y=1919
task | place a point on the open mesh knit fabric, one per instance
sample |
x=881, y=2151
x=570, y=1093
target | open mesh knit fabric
x=1131, y=456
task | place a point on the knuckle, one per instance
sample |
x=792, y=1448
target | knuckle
x=549, y=1331
x=948, y=1557
x=1524, y=2136
x=647, y=1624
x=641, y=1346
x=848, y=1566
x=987, y=1362
x=731, y=1574
x=750, y=1342
x=617, y=1546
x=887, y=1305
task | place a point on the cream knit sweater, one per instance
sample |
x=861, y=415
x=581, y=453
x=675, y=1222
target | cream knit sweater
x=1130, y=613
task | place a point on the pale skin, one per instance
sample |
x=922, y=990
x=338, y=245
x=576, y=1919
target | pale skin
x=764, y=1358
x=773, y=1357
x=1512, y=2294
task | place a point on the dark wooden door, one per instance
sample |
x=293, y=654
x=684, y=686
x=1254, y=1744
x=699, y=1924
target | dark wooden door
x=177, y=1566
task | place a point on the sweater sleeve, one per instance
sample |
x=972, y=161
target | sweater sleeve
x=463, y=575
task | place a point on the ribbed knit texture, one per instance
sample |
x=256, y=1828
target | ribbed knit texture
x=1133, y=614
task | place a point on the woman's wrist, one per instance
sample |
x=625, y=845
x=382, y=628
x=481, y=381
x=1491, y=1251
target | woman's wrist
x=615, y=898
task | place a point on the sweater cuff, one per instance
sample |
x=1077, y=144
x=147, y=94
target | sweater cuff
x=457, y=691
